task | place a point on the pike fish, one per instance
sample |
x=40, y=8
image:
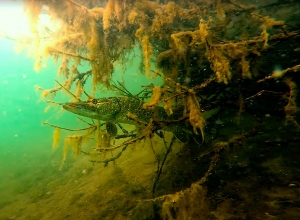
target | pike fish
x=116, y=109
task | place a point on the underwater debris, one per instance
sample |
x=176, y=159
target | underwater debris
x=291, y=108
x=56, y=138
x=154, y=98
x=195, y=115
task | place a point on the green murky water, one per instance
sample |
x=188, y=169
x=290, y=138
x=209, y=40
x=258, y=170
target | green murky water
x=30, y=169
x=247, y=167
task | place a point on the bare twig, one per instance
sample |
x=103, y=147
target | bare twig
x=68, y=91
x=160, y=166
x=67, y=129
x=262, y=92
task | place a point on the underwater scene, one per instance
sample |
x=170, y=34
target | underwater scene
x=150, y=109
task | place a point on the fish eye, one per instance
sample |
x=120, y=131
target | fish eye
x=94, y=101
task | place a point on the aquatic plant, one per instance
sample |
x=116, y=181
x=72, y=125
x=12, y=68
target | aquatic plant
x=214, y=56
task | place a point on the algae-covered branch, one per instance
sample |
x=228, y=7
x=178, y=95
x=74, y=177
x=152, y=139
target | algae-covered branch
x=229, y=98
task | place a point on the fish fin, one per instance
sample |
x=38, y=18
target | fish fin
x=111, y=128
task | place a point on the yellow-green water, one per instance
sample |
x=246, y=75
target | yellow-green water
x=32, y=186
x=246, y=168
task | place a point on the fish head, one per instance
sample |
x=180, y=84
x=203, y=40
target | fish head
x=104, y=109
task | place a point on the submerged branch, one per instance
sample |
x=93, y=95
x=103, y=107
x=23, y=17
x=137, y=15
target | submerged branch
x=57, y=51
x=110, y=159
x=160, y=166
